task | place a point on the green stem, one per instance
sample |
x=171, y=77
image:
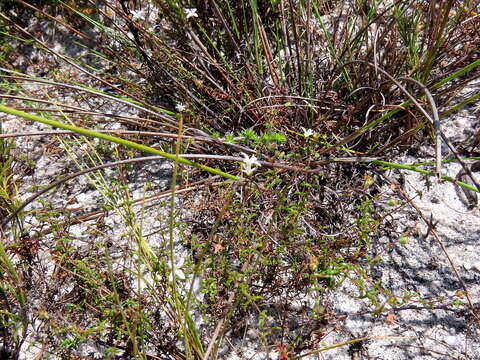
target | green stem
x=113, y=139
x=409, y=102
x=425, y=172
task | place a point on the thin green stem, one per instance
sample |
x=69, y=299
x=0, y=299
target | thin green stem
x=425, y=172
x=114, y=139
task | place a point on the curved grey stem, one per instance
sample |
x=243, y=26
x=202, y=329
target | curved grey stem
x=436, y=123
x=439, y=133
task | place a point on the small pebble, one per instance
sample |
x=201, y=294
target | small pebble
x=467, y=266
x=476, y=266
x=452, y=340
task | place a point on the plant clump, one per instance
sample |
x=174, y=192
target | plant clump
x=279, y=118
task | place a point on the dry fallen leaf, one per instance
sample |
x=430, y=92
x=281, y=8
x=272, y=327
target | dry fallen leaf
x=390, y=318
x=217, y=247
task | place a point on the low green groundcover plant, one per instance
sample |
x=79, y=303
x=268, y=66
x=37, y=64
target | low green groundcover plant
x=278, y=118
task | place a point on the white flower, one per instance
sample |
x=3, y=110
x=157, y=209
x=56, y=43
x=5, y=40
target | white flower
x=307, y=132
x=191, y=12
x=136, y=15
x=180, y=107
x=249, y=163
